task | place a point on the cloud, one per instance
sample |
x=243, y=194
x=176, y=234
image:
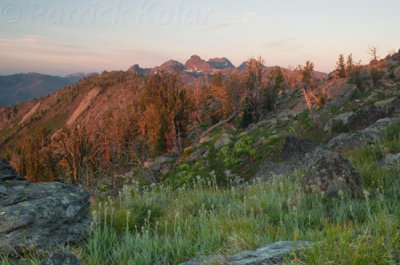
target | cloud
x=245, y=19
x=279, y=43
x=40, y=53
x=247, y=16
x=218, y=26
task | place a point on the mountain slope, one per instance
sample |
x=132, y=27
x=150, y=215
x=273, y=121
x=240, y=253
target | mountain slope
x=92, y=98
x=23, y=87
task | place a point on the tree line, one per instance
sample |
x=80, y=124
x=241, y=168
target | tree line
x=165, y=117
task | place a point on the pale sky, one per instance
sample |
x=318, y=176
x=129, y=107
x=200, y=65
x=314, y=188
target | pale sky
x=63, y=37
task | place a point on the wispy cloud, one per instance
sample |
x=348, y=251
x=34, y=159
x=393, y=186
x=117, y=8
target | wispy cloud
x=218, y=26
x=245, y=19
x=42, y=53
x=279, y=43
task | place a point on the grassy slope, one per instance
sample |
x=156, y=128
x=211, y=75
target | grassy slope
x=158, y=225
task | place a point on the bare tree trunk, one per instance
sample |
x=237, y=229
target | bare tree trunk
x=220, y=124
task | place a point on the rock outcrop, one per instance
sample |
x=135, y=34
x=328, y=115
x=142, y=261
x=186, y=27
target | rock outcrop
x=391, y=161
x=368, y=136
x=332, y=174
x=61, y=258
x=366, y=116
x=269, y=254
x=159, y=167
x=295, y=149
x=224, y=140
x=39, y=216
x=293, y=156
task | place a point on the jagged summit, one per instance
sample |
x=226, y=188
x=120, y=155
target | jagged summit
x=170, y=66
x=196, y=64
x=220, y=63
x=138, y=70
x=245, y=64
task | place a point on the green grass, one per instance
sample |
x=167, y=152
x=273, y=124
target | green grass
x=161, y=225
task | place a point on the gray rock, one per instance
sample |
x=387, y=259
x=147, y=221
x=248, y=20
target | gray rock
x=314, y=156
x=295, y=149
x=332, y=174
x=61, y=258
x=340, y=92
x=368, y=136
x=269, y=254
x=391, y=161
x=198, y=261
x=294, y=156
x=40, y=215
x=196, y=155
x=272, y=168
x=396, y=105
x=366, y=116
x=161, y=166
x=366, y=78
x=344, y=117
x=224, y=140
x=165, y=159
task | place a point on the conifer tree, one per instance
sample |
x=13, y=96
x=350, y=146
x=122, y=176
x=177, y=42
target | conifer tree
x=340, y=67
x=349, y=65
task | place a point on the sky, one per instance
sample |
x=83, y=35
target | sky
x=63, y=37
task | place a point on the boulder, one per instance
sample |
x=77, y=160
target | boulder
x=366, y=79
x=368, y=136
x=339, y=92
x=61, y=258
x=270, y=168
x=224, y=140
x=161, y=166
x=293, y=156
x=295, y=149
x=268, y=254
x=271, y=254
x=196, y=155
x=366, y=116
x=40, y=216
x=391, y=161
x=332, y=174
x=343, y=117
x=396, y=105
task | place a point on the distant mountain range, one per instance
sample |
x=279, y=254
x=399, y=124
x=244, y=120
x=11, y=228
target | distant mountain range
x=195, y=65
x=23, y=87
x=20, y=88
x=197, y=71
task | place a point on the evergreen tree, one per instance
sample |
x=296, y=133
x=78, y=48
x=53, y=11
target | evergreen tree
x=349, y=65
x=171, y=105
x=276, y=82
x=340, y=67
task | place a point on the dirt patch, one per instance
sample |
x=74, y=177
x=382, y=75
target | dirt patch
x=29, y=114
x=87, y=100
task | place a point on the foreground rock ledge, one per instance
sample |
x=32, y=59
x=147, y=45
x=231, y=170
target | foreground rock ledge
x=269, y=254
x=40, y=216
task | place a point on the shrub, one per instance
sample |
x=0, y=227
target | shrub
x=376, y=75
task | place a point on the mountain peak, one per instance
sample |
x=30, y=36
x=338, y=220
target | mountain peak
x=196, y=64
x=170, y=66
x=138, y=70
x=220, y=63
